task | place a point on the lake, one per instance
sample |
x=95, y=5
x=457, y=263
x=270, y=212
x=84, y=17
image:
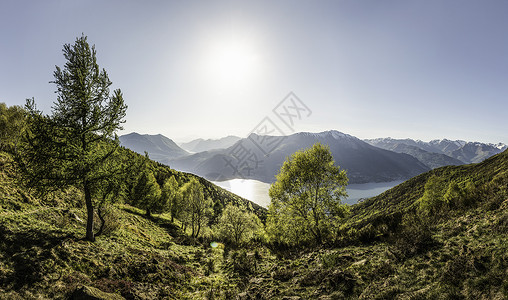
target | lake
x=257, y=191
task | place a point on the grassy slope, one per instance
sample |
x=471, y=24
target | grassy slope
x=42, y=254
x=462, y=255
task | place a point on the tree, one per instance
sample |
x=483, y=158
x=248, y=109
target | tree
x=237, y=225
x=454, y=194
x=306, y=198
x=147, y=192
x=12, y=126
x=432, y=200
x=197, y=208
x=110, y=188
x=169, y=195
x=71, y=146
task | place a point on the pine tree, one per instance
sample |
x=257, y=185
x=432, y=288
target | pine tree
x=146, y=192
x=71, y=146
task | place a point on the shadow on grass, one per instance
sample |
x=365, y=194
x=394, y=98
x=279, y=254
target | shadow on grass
x=172, y=229
x=28, y=252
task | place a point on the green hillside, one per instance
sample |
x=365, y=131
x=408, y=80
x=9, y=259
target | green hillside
x=489, y=179
x=43, y=254
x=439, y=235
x=388, y=248
x=383, y=249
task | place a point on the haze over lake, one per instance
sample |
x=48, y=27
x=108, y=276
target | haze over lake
x=257, y=191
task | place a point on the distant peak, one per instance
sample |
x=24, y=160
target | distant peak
x=329, y=133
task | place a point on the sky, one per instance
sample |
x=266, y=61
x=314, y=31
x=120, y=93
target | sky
x=425, y=70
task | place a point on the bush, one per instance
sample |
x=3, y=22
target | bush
x=432, y=202
x=414, y=238
x=241, y=263
x=237, y=226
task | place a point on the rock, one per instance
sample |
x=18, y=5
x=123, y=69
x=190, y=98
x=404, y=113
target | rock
x=360, y=262
x=91, y=293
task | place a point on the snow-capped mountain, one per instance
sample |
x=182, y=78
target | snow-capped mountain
x=466, y=152
x=260, y=157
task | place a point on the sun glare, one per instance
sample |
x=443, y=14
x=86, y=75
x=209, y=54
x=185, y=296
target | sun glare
x=231, y=65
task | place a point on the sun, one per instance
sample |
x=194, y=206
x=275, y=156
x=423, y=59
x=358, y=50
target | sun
x=232, y=64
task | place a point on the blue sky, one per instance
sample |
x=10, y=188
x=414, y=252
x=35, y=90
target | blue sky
x=419, y=69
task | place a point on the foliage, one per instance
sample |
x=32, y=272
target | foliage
x=12, y=126
x=170, y=197
x=71, y=146
x=432, y=201
x=414, y=237
x=237, y=226
x=197, y=209
x=454, y=194
x=146, y=193
x=306, y=198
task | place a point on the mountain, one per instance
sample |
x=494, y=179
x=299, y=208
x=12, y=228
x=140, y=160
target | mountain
x=430, y=159
x=466, y=152
x=260, y=157
x=201, y=145
x=159, y=147
x=386, y=247
x=476, y=152
x=489, y=180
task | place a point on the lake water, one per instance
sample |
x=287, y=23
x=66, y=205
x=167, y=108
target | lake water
x=257, y=191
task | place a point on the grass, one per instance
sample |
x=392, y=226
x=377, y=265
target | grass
x=391, y=253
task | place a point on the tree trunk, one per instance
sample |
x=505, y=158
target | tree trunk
x=199, y=228
x=89, y=210
x=103, y=221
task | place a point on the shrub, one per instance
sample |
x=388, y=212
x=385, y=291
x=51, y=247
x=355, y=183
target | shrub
x=414, y=237
x=237, y=226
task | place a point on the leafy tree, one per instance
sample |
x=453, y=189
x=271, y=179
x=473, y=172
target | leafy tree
x=197, y=208
x=306, y=198
x=147, y=192
x=432, y=200
x=237, y=225
x=12, y=126
x=454, y=194
x=178, y=206
x=72, y=145
x=470, y=193
x=169, y=195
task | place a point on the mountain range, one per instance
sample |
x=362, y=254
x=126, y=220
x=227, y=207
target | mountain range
x=260, y=157
x=431, y=153
x=200, y=145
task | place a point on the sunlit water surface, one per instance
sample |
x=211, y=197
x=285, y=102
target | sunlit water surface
x=257, y=191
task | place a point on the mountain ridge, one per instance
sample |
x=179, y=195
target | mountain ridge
x=158, y=146
x=201, y=145
x=263, y=156
x=466, y=152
